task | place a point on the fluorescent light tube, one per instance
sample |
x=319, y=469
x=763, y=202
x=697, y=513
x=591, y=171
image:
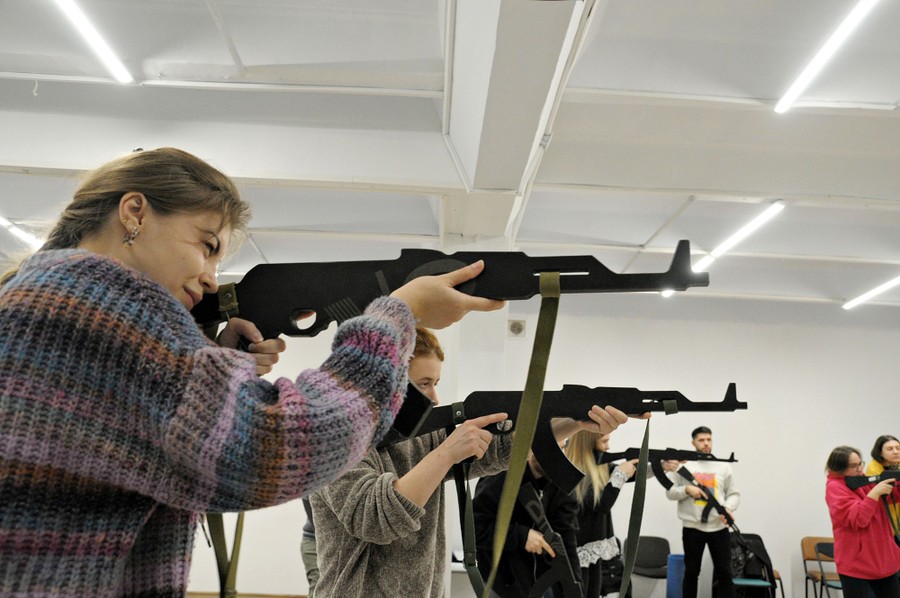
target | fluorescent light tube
x=704, y=263
x=739, y=236
x=840, y=35
x=97, y=43
x=874, y=292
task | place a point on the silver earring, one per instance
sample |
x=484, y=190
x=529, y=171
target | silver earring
x=128, y=240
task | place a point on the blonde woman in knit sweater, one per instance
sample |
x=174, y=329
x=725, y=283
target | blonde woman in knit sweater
x=120, y=422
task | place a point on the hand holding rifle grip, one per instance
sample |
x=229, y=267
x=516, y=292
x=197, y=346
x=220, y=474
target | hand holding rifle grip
x=275, y=296
x=710, y=497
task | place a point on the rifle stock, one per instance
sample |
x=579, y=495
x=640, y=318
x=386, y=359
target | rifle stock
x=573, y=401
x=274, y=296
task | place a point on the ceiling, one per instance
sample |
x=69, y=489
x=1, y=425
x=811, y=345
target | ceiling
x=358, y=127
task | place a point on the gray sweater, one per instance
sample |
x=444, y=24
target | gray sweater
x=371, y=540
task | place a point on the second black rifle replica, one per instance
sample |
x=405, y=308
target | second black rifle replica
x=276, y=296
x=573, y=401
x=655, y=457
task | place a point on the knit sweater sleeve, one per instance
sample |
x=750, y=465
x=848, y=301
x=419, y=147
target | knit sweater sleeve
x=368, y=506
x=161, y=411
x=494, y=460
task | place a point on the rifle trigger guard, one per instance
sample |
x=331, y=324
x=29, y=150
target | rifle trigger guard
x=228, y=303
x=459, y=413
x=670, y=406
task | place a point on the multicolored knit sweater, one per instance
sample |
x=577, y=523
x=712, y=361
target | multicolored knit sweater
x=119, y=422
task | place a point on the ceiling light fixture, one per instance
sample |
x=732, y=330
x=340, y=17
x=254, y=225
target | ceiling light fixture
x=840, y=35
x=740, y=235
x=874, y=292
x=22, y=234
x=97, y=43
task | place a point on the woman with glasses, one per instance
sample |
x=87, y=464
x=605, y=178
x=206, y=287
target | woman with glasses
x=866, y=556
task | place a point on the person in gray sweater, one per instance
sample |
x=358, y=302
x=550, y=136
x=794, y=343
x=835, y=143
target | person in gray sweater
x=701, y=526
x=380, y=527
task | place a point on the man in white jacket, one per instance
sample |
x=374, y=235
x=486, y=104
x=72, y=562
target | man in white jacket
x=702, y=525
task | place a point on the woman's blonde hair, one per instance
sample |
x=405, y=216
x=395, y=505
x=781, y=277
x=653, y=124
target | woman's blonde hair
x=172, y=181
x=580, y=451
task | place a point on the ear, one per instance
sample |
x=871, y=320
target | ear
x=133, y=208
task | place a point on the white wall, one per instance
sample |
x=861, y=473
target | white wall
x=813, y=376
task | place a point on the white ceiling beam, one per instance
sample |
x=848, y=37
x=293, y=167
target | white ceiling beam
x=741, y=150
x=336, y=157
x=479, y=214
x=505, y=74
x=226, y=35
x=508, y=61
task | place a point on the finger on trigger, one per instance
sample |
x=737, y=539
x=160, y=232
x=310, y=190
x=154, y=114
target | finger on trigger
x=486, y=420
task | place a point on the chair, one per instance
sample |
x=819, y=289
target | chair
x=778, y=581
x=810, y=564
x=755, y=544
x=753, y=582
x=825, y=554
x=652, y=559
x=651, y=565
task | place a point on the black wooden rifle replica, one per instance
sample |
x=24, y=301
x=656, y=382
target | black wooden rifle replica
x=560, y=571
x=858, y=481
x=275, y=296
x=711, y=501
x=657, y=456
x=573, y=401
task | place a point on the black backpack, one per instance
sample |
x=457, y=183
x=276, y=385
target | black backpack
x=750, y=559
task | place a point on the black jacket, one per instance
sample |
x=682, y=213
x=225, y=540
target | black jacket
x=519, y=569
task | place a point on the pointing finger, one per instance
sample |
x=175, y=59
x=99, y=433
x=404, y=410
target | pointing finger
x=486, y=420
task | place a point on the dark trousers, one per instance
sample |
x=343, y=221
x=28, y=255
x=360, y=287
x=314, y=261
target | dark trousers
x=694, y=541
x=596, y=581
x=853, y=587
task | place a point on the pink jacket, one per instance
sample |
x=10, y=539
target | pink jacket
x=864, y=544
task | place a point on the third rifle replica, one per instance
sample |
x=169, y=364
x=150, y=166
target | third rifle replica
x=655, y=457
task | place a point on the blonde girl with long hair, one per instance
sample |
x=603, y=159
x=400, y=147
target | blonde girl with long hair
x=598, y=550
